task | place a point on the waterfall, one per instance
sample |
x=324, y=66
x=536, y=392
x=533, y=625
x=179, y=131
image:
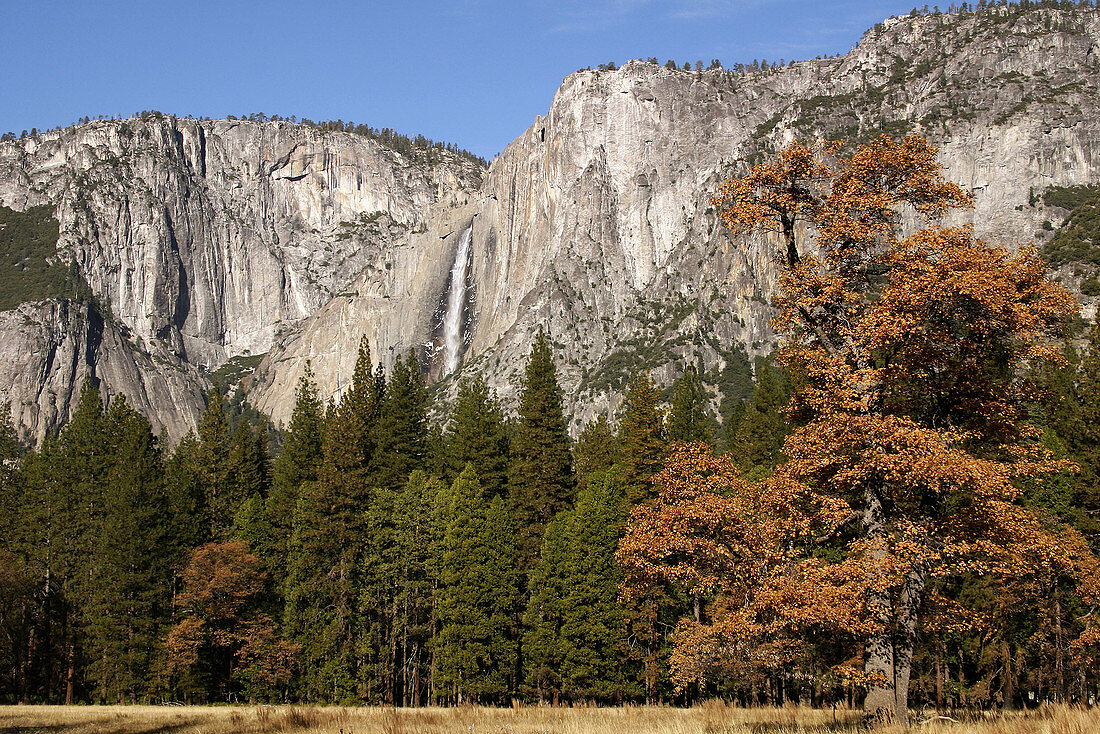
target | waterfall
x=456, y=302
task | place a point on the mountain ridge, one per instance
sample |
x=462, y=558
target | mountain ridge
x=595, y=222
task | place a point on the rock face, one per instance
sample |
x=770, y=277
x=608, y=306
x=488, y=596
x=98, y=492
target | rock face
x=209, y=240
x=596, y=225
x=49, y=348
x=204, y=240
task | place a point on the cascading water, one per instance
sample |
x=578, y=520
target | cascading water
x=456, y=303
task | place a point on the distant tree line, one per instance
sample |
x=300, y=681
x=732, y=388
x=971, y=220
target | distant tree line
x=403, y=144
x=406, y=145
x=1003, y=10
x=714, y=65
x=1021, y=6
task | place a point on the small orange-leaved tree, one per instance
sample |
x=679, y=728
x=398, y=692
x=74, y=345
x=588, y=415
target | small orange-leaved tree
x=223, y=643
x=909, y=448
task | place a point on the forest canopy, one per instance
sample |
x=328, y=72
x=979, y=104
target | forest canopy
x=899, y=507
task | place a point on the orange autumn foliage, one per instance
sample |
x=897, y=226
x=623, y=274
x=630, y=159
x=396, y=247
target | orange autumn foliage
x=909, y=447
x=222, y=584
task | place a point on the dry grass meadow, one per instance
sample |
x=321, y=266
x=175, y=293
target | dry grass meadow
x=706, y=718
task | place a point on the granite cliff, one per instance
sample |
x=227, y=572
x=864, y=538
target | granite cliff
x=208, y=241
x=201, y=241
x=596, y=223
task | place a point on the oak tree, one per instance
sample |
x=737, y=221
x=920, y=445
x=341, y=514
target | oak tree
x=910, y=445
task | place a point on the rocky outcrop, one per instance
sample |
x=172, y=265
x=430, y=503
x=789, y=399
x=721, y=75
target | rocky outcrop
x=48, y=349
x=204, y=240
x=209, y=240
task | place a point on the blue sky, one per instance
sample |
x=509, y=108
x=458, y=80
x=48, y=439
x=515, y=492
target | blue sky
x=475, y=73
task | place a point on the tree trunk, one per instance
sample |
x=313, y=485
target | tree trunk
x=27, y=659
x=652, y=653
x=1009, y=686
x=878, y=653
x=939, y=680
x=912, y=596
x=70, y=669
x=962, y=679
x=1059, y=655
x=433, y=672
x=415, y=698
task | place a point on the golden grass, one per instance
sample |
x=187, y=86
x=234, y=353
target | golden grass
x=712, y=717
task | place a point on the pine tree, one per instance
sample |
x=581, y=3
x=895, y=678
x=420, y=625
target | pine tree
x=38, y=539
x=543, y=646
x=1071, y=412
x=641, y=439
x=689, y=419
x=540, y=478
x=212, y=467
x=400, y=447
x=593, y=625
x=475, y=648
x=415, y=537
x=76, y=517
x=436, y=462
x=596, y=447
x=252, y=526
x=11, y=499
x=127, y=597
x=60, y=505
x=249, y=470
x=324, y=582
x=735, y=382
x=249, y=476
x=757, y=447
x=74, y=481
x=19, y=618
x=378, y=579
x=477, y=435
x=349, y=437
x=298, y=462
x=401, y=431
x=84, y=463
x=17, y=608
x=574, y=644
x=187, y=517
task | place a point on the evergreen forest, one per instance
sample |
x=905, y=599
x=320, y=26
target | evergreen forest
x=369, y=557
